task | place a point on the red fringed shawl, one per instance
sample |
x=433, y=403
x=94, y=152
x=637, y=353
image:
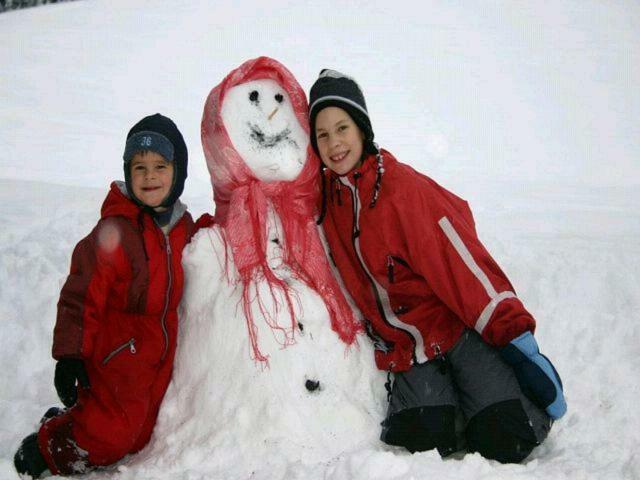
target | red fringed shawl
x=241, y=210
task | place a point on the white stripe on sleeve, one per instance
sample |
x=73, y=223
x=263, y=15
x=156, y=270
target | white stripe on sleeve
x=467, y=258
x=484, y=317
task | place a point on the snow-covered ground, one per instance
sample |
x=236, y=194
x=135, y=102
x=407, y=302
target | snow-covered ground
x=528, y=111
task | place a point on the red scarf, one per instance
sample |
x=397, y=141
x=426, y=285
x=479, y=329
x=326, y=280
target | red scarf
x=241, y=210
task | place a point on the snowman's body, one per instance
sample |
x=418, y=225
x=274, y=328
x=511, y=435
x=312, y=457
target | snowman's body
x=317, y=397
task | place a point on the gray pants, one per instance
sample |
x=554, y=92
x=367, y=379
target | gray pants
x=468, y=399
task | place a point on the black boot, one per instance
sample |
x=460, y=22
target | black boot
x=28, y=459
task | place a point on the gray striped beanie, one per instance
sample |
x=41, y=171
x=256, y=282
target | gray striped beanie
x=335, y=89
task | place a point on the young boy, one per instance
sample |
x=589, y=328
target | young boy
x=443, y=315
x=115, y=334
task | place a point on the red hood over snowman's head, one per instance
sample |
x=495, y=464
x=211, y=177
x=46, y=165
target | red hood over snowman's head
x=255, y=136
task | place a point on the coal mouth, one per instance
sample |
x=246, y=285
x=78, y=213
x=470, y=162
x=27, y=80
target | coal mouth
x=270, y=141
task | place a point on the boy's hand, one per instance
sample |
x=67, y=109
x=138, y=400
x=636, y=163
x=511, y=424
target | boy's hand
x=538, y=378
x=70, y=371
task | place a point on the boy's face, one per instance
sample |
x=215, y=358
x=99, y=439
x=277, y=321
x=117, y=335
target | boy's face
x=340, y=141
x=151, y=178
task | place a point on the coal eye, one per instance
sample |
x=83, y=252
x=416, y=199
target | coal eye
x=253, y=96
x=279, y=98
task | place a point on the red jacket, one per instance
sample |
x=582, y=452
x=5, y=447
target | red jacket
x=125, y=276
x=414, y=265
x=118, y=312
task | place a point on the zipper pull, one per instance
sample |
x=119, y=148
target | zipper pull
x=388, y=386
x=167, y=243
x=440, y=358
x=390, y=266
x=132, y=346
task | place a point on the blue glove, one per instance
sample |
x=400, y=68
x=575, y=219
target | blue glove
x=538, y=378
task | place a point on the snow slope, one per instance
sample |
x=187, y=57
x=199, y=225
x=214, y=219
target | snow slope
x=527, y=112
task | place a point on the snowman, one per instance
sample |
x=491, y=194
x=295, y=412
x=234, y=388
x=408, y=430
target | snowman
x=271, y=361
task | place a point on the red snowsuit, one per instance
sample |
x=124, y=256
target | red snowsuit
x=117, y=312
x=414, y=265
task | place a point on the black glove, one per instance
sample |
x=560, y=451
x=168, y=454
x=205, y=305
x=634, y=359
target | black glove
x=70, y=371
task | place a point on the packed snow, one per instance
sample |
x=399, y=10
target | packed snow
x=527, y=111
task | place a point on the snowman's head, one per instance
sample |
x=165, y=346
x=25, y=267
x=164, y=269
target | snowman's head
x=264, y=130
x=255, y=133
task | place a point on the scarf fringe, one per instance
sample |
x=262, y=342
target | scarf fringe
x=284, y=335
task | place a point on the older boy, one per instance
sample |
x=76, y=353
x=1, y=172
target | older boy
x=444, y=317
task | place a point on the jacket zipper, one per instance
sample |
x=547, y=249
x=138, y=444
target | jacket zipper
x=418, y=345
x=163, y=319
x=132, y=348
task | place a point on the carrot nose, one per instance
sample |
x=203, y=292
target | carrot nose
x=275, y=110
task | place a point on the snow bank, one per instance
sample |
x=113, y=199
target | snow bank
x=527, y=111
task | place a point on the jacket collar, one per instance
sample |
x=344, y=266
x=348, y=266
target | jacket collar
x=366, y=168
x=118, y=203
x=365, y=175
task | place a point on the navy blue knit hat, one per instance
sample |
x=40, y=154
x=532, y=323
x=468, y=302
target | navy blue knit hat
x=159, y=134
x=335, y=89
